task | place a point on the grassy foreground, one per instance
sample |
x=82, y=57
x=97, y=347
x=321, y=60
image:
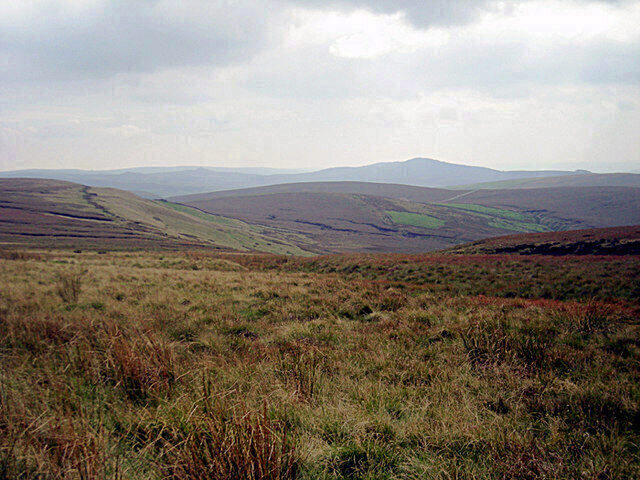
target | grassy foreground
x=195, y=366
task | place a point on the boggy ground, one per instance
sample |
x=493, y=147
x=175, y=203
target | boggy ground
x=194, y=366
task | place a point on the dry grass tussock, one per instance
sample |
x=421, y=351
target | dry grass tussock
x=269, y=368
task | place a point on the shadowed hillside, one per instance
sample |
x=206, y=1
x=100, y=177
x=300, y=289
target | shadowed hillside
x=388, y=190
x=599, y=241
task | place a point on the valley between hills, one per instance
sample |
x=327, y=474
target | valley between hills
x=302, y=218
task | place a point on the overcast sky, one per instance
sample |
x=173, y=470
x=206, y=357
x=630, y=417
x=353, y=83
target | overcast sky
x=318, y=83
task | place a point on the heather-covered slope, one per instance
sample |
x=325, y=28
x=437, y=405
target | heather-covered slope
x=56, y=213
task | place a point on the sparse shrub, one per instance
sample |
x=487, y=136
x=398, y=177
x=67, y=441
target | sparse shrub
x=69, y=285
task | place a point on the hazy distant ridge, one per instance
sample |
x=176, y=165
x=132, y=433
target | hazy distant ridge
x=173, y=181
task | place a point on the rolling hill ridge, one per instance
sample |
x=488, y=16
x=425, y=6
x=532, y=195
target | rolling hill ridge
x=63, y=214
x=303, y=218
x=159, y=182
x=355, y=216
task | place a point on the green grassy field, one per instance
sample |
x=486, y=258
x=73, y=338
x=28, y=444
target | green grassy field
x=195, y=365
x=494, y=212
x=415, y=219
x=502, y=218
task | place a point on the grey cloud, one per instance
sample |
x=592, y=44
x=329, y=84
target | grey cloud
x=426, y=13
x=123, y=36
x=419, y=12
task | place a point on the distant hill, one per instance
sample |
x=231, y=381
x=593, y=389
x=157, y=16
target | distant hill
x=388, y=190
x=571, y=207
x=326, y=222
x=424, y=172
x=301, y=219
x=354, y=216
x=600, y=241
x=150, y=183
x=163, y=182
x=584, y=180
x=64, y=214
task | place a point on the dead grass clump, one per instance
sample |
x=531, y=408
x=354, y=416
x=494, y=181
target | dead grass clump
x=300, y=366
x=139, y=364
x=391, y=301
x=497, y=340
x=60, y=446
x=368, y=459
x=528, y=461
x=69, y=285
x=594, y=317
x=487, y=341
x=35, y=334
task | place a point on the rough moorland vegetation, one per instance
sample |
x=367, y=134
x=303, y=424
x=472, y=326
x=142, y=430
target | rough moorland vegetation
x=195, y=366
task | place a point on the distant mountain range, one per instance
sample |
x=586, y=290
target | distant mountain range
x=162, y=182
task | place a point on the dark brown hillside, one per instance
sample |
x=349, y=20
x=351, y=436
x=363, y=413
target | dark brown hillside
x=302, y=219
x=354, y=222
x=599, y=241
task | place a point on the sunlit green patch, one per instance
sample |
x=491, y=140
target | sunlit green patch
x=415, y=219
